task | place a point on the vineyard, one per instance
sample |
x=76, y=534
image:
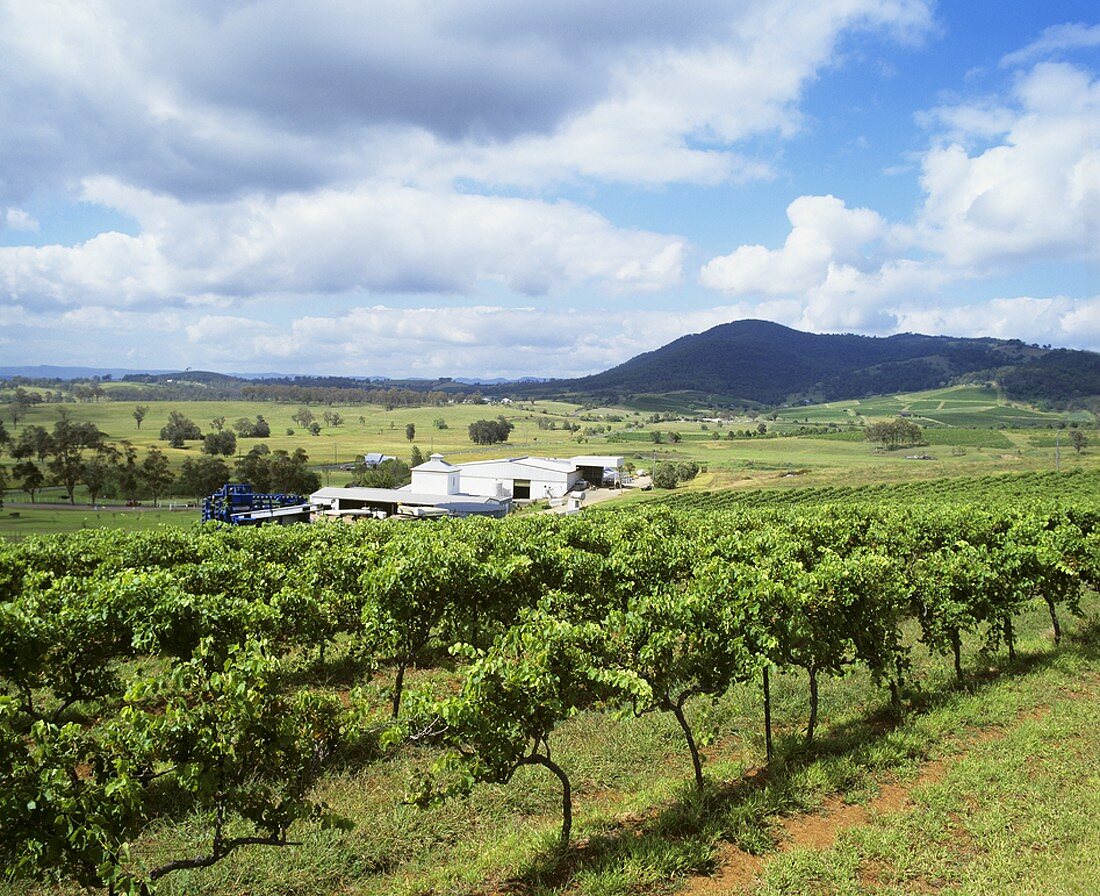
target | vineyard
x=999, y=490
x=174, y=700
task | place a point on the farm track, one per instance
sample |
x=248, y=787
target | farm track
x=739, y=872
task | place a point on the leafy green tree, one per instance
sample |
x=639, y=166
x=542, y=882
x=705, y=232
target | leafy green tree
x=98, y=471
x=490, y=432
x=410, y=431
x=179, y=429
x=70, y=441
x=303, y=417
x=33, y=441
x=664, y=476
x=202, y=476
x=156, y=473
x=221, y=441
x=388, y=474
x=29, y=476
x=128, y=473
x=674, y=643
x=139, y=414
x=416, y=457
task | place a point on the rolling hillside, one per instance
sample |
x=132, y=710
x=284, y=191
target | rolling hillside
x=762, y=362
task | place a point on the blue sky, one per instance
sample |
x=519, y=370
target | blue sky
x=504, y=189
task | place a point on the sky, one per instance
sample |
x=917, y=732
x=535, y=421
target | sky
x=490, y=188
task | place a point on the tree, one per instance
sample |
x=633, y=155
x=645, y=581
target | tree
x=221, y=441
x=202, y=476
x=538, y=674
x=33, y=441
x=899, y=433
x=218, y=423
x=155, y=473
x=410, y=431
x=21, y=400
x=664, y=476
x=70, y=441
x=1079, y=440
x=129, y=473
x=98, y=471
x=255, y=468
x=416, y=458
x=314, y=428
x=290, y=473
x=303, y=417
x=139, y=414
x=179, y=429
x=439, y=423
x=247, y=429
x=388, y=474
x=332, y=418
x=489, y=432
x=277, y=471
x=30, y=477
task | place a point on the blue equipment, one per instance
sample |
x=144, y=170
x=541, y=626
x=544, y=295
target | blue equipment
x=233, y=503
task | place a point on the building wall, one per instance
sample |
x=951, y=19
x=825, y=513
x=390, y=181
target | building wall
x=499, y=479
x=431, y=482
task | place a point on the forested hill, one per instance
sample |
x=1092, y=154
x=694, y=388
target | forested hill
x=759, y=361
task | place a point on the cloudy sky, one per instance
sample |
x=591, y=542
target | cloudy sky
x=505, y=188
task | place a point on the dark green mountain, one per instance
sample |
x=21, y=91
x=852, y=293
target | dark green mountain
x=761, y=362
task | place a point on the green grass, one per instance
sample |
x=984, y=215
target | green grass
x=1015, y=812
x=16, y=522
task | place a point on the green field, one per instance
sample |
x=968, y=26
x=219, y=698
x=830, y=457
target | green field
x=967, y=437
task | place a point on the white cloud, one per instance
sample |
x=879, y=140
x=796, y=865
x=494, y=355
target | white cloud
x=1070, y=36
x=1034, y=195
x=1059, y=320
x=369, y=238
x=17, y=219
x=1029, y=194
x=220, y=101
x=824, y=233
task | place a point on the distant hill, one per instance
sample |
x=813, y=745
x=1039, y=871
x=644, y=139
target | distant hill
x=760, y=362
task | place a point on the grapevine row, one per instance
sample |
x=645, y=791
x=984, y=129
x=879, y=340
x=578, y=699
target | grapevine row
x=142, y=669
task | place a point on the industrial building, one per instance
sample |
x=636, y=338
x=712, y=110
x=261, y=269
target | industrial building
x=476, y=488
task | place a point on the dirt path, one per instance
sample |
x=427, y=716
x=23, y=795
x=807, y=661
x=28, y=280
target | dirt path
x=739, y=871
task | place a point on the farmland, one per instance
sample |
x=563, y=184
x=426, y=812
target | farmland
x=810, y=445
x=429, y=705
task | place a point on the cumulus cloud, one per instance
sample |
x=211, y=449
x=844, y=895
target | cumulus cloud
x=825, y=234
x=1035, y=194
x=371, y=238
x=1007, y=182
x=1060, y=320
x=211, y=100
x=17, y=219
